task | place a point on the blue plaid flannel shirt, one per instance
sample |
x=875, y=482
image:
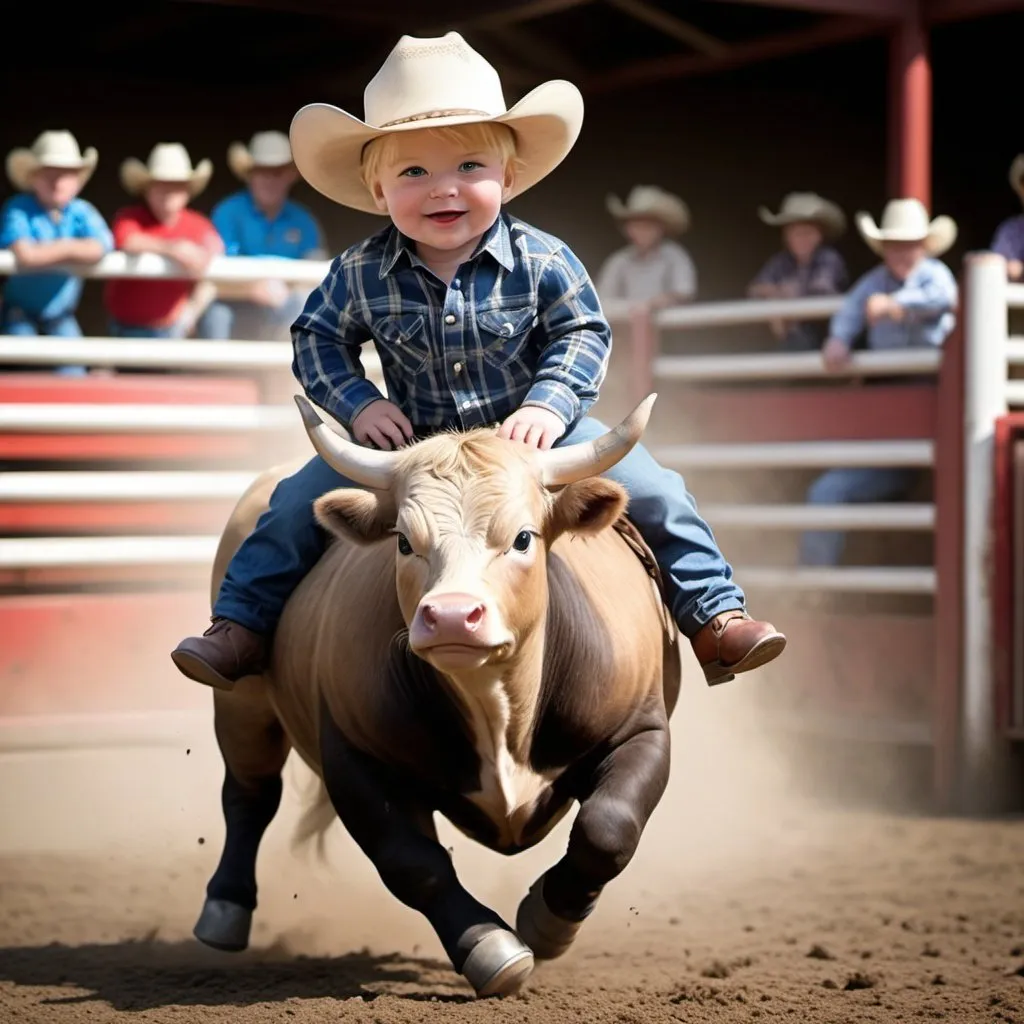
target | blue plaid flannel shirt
x=520, y=324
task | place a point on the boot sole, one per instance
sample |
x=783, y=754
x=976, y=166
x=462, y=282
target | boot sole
x=760, y=654
x=199, y=671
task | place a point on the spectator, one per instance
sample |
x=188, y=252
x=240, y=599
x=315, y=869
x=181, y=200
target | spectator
x=48, y=224
x=806, y=266
x=1009, y=237
x=907, y=301
x=653, y=270
x=261, y=220
x=162, y=223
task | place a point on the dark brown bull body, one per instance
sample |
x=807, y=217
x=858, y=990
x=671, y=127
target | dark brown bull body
x=507, y=656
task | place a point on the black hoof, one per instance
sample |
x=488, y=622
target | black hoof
x=223, y=925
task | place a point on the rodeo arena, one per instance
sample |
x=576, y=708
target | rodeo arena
x=511, y=724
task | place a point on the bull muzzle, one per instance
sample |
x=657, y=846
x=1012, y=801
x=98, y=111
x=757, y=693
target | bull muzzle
x=449, y=620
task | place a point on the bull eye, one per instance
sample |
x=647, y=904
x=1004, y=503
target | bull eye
x=523, y=541
x=404, y=547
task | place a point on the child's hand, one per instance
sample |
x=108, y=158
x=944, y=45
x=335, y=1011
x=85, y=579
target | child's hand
x=1014, y=269
x=534, y=426
x=835, y=353
x=881, y=306
x=194, y=258
x=383, y=424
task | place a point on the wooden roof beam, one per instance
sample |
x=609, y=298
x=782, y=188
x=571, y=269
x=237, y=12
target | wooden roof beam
x=888, y=9
x=643, y=72
x=510, y=14
x=936, y=11
x=670, y=25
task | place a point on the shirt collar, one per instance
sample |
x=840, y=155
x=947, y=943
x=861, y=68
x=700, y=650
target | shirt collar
x=496, y=241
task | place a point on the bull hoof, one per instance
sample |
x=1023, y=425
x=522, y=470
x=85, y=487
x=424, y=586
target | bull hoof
x=498, y=964
x=547, y=934
x=224, y=925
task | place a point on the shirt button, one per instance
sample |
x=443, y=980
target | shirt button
x=457, y=367
x=467, y=405
x=450, y=318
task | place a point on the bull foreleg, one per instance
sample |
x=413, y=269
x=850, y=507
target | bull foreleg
x=254, y=749
x=620, y=796
x=397, y=834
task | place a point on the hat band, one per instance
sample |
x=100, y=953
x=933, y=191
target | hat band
x=430, y=115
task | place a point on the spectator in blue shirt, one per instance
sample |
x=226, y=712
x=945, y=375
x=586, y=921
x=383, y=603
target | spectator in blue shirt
x=47, y=224
x=261, y=220
x=907, y=301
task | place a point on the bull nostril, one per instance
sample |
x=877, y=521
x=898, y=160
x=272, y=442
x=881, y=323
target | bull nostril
x=429, y=616
x=475, y=617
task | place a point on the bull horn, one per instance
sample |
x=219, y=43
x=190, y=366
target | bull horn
x=364, y=466
x=592, y=458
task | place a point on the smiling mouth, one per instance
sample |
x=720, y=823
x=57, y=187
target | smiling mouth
x=446, y=216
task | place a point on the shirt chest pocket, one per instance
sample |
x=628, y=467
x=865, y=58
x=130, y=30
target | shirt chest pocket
x=504, y=333
x=404, y=341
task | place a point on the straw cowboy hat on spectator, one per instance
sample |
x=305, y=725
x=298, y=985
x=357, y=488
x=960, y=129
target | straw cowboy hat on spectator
x=1017, y=174
x=906, y=220
x=265, y=149
x=432, y=83
x=806, y=208
x=168, y=162
x=51, y=149
x=649, y=201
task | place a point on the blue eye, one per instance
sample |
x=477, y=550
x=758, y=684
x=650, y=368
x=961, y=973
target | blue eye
x=470, y=165
x=412, y=172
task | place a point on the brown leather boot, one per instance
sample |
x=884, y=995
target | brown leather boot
x=222, y=655
x=734, y=642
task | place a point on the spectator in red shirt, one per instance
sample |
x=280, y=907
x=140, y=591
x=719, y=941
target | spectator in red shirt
x=162, y=223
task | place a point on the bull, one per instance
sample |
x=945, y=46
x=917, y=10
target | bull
x=477, y=640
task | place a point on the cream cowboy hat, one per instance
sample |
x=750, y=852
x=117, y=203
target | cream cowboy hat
x=906, y=220
x=265, y=149
x=170, y=162
x=803, y=208
x=431, y=83
x=653, y=202
x=51, y=149
x=1017, y=174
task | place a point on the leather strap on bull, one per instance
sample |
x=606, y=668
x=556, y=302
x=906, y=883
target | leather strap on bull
x=629, y=533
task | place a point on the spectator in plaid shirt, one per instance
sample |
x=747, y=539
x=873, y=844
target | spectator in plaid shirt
x=479, y=320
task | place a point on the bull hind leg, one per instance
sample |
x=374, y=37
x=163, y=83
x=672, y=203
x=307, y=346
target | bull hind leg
x=614, y=809
x=397, y=833
x=254, y=749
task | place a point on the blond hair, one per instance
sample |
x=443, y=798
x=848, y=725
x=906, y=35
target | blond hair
x=484, y=135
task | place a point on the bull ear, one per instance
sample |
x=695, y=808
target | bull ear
x=356, y=515
x=587, y=506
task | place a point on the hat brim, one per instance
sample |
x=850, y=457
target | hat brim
x=135, y=177
x=1017, y=175
x=676, y=221
x=941, y=235
x=327, y=142
x=241, y=162
x=829, y=218
x=22, y=163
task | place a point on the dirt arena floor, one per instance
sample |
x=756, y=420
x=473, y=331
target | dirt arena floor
x=746, y=902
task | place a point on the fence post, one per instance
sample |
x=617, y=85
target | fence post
x=985, y=374
x=643, y=348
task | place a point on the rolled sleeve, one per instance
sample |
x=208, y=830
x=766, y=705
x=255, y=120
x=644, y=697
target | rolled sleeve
x=574, y=361
x=326, y=339
x=92, y=225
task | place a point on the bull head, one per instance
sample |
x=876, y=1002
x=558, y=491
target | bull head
x=475, y=517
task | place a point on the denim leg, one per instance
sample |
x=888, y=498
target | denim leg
x=847, y=486
x=285, y=545
x=216, y=322
x=65, y=326
x=697, y=577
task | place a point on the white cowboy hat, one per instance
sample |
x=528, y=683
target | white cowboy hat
x=906, y=220
x=1017, y=174
x=431, y=83
x=265, y=149
x=653, y=202
x=804, y=208
x=169, y=162
x=51, y=149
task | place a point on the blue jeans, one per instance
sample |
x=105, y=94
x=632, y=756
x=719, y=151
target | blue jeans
x=120, y=330
x=287, y=542
x=17, y=322
x=847, y=487
x=249, y=321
